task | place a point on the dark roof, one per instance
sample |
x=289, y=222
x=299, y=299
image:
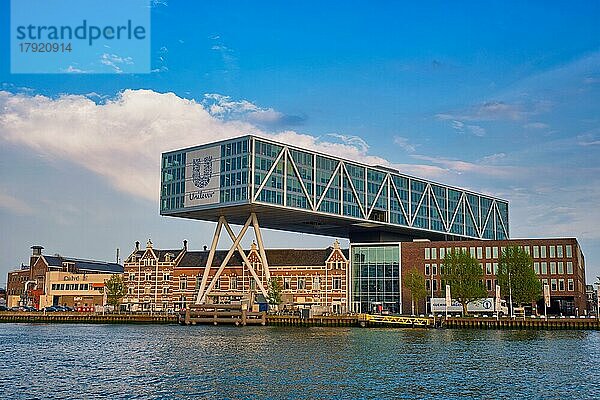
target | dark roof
x=275, y=257
x=159, y=253
x=198, y=259
x=84, y=265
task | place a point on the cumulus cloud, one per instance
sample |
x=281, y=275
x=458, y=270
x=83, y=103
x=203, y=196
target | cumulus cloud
x=121, y=139
x=405, y=144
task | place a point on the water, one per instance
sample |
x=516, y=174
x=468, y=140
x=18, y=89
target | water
x=154, y=362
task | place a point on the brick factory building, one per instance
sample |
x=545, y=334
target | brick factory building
x=57, y=280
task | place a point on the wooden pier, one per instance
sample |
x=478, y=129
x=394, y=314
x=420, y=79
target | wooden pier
x=288, y=320
x=228, y=314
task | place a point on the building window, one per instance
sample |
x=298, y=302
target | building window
x=166, y=276
x=479, y=253
x=427, y=269
x=552, y=251
x=488, y=252
x=131, y=276
x=543, y=251
x=536, y=252
x=569, y=267
x=559, y=251
x=148, y=276
x=434, y=253
x=182, y=283
x=130, y=290
x=427, y=284
x=434, y=269
x=427, y=253
x=165, y=290
x=337, y=283
x=553, y=285
x=316, y=283
x=552, y=268
x=561, y=267
x=527, y=249
x=301, y=283
x=569, y=250
x=488, y=268
x=287, y=283
x=561, y=285
x=544, y=268
x=536, y=267
x=495, y=268
x=472, y=251
x=488, y=284
x=495, y=252
x=571, y=285
x=435, y=286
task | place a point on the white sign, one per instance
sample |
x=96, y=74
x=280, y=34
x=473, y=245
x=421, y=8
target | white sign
x=202, y=177
x=497, y=298
x=547, y=295
x=448, y=297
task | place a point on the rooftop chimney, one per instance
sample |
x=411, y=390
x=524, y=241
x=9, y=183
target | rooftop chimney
x=36, y=250
x=205, y=247
x=137, y=245
x=185, y=245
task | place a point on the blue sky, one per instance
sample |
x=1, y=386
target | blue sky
x=501, y=97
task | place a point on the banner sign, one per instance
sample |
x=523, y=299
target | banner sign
x=202, y=177
x=547, y=295
x=448, y=297
x=497, y=305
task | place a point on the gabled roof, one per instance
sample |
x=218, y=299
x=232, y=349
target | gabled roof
x=84, y=265
x=275, y=257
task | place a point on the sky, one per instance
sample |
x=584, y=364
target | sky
x=498, y=97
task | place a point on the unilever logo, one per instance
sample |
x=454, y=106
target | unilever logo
x=202, y=171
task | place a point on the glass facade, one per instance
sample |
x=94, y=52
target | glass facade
x=255, y=170
x=375, y=278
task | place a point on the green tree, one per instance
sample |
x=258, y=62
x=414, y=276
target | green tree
x=464, y=274
x=274, y=291
x=516, y=275
x=115, y=289
x=414, y=281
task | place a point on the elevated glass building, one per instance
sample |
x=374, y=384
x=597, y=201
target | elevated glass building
x=300, y=190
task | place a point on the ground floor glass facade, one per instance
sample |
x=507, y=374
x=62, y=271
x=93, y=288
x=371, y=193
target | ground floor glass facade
x=376, y=278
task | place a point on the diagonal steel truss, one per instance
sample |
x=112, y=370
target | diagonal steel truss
x=385, y=187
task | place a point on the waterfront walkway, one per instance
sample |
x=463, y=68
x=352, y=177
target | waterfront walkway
x=362, y=320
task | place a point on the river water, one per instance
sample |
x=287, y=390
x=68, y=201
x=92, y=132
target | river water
x=155, y=362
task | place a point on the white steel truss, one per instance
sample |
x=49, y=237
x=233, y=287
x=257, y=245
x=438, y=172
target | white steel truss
x=203, y=291
x=426, y=200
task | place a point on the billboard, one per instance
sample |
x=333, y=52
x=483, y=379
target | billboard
x=202, y=177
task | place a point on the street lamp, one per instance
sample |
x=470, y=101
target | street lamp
x=597, y=297
x=510, y=293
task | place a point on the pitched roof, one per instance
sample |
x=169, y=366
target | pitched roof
x=84, y=265
x=275, y=257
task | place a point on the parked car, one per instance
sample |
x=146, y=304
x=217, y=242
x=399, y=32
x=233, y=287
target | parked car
x=51, y=309
x=4, y=308
x=23, y=309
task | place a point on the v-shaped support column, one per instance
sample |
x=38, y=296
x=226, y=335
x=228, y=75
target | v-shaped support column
x=204, y=291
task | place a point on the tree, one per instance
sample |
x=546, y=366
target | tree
x=274, y=291
x=414, y=281
x=464, y=274
x=115, y=289
x=516, y=276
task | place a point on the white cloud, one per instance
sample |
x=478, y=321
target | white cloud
x=405, y=144
x=14, y=205
x=536, y=125
x=121, y=139
x=113, y=61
